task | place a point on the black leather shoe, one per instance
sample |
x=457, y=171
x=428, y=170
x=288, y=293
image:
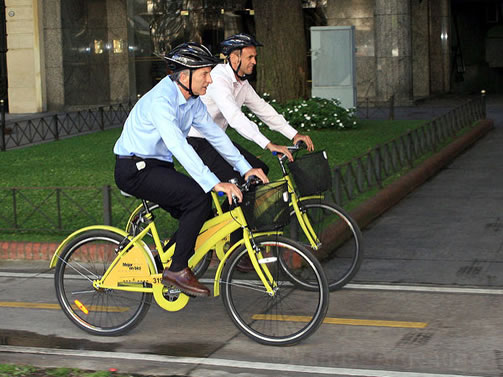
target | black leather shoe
x=186, y=281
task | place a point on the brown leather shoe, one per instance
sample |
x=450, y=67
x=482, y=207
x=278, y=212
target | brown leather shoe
x=186, y=281
x=245, y=264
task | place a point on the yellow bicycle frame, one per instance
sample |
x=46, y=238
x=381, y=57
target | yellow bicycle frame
x=212, y=232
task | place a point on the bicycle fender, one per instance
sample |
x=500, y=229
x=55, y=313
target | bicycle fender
x=54, y=259
x=216, y=286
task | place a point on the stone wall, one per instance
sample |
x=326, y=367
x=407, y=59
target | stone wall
x=25, y=60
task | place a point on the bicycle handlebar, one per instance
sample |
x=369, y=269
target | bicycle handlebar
x=250, y=182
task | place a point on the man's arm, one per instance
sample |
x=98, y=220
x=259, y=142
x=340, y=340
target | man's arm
x=219, y=139
x=220, y=92
x=274, y=121
x=164, y=119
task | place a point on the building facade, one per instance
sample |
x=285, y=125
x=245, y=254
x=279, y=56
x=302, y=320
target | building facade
x=68, y=54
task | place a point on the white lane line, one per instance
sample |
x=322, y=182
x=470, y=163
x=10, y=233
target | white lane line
x=227, y=363
x=374, y=287
x=425, y=288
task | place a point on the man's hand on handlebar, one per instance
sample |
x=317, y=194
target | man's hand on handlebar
x=280, y=150
x=258, y=173
x=306, y=139
x=230, y=189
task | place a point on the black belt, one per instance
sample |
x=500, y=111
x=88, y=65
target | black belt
x=134, y=158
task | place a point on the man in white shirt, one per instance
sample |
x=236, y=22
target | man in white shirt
x=224, y=98
x=154, y=133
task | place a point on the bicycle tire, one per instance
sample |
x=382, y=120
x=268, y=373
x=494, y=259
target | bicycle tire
x=341, y=252
x=111, y=312
x=134, y=227
x=292, y=313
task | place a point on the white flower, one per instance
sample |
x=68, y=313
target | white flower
x=296, y=109
x=302, y=124
x=354, y=122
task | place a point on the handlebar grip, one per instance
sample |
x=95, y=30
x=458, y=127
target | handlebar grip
x=301, y=145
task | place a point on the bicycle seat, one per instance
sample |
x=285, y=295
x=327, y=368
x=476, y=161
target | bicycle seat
x=126, y=194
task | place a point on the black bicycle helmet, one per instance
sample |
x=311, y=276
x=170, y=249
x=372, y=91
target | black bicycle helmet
x=238, y=41
x=190, y=55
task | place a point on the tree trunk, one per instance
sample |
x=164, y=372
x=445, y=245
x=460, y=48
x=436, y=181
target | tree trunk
x=282, y=62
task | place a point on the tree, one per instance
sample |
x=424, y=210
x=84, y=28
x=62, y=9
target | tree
x=282, y=66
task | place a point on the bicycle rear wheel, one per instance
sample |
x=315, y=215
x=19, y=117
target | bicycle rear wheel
x=341, y=249
x=291, y=313
x=96, y=311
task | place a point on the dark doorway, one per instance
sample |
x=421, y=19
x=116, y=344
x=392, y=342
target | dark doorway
x=477, y=45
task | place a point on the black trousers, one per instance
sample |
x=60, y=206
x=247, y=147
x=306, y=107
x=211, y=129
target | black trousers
x=217, y=164
x=180, y=195
x=222, y=169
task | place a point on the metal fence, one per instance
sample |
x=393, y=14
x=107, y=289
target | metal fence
x=17, y=133
x=369, y=170
x=66, y=208
x=53, y=209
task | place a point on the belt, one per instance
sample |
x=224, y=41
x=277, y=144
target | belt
x=134, y=158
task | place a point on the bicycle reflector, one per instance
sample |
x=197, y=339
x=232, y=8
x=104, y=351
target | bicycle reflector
x=81, y=307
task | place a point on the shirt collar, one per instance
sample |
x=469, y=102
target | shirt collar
x=180, y=98
x=229, y=71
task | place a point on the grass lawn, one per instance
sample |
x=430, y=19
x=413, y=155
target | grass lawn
x=88, y=161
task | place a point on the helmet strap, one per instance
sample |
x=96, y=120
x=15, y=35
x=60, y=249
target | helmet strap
x=243, y=77
x=189, y=89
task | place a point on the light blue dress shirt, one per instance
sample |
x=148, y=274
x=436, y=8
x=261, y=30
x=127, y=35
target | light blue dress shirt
x=158, y=125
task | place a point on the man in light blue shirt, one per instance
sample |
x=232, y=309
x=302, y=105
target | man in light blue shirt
x=155, y=132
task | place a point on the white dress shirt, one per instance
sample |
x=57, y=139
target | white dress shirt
x=224, y=98
x=158, y=125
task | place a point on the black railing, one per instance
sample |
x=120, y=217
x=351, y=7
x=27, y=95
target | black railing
x=368, y=171
x=18, y=133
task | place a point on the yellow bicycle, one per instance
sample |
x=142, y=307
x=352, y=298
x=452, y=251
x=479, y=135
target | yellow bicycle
x=317, y=223
x=105, y=277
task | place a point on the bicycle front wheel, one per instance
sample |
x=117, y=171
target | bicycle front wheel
x=340, y=249
x=288, y=315
x=96, y=311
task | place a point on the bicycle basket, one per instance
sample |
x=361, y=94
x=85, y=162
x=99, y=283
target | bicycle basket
x=311, y=173
x=266, y=207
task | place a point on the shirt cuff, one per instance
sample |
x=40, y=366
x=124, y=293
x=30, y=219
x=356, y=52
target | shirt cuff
x=262, y=141
x=290, y=132
x=210, y=182
x=243, y=166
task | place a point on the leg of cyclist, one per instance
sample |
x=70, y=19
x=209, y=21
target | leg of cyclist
x=224, y=171
x=183, y=198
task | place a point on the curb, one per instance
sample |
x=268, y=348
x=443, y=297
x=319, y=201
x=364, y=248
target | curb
x=396, y=191
x=363, y=215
